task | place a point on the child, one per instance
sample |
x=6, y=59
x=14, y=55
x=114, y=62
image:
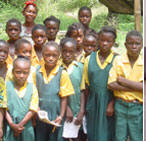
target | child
x=84, y=16
x=54, y=86
x=13, y=29
x=52, y=24
x=76, y=31
x=22, y=48
x=99, y=107
x=22, y=102
x=4, y=65
x=126, y=80
x=29, y=12
x=89, y=45
x=3, y=104
x=39, y=36
x=76, y=102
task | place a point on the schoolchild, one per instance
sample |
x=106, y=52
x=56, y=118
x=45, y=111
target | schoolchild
x=54, y=87
x=126, y=80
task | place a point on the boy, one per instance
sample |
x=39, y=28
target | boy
x=22, y=102
x=126, y=80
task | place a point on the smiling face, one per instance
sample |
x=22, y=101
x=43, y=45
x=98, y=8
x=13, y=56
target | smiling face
x=39, y=37
x=105, y=41
x=51, y=56
x=13, y=30
x=89, y=44
x=4, y=50
x=133, y=45
x=52, y=28
x=21, y=71
x=85, y=17
x=68, y=52
x=30, y=13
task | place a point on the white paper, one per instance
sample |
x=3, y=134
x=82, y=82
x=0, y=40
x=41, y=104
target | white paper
x=43, y=116
x=84, y=125
x=70, y=130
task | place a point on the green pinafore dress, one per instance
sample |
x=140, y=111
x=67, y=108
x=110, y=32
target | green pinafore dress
x=18, y=108
x=76, y=78
x=99, y=126
x=49, y=101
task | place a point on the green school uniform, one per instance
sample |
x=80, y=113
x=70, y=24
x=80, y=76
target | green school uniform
x=76, y=78
x=49, y=101
x=99, y=126
x=18, y=108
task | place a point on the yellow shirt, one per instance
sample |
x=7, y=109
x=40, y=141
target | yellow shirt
x=121, y=67
x=9, y=61
x=102, y=66
x=34, y=100
x=66, y=88
x=3, y=96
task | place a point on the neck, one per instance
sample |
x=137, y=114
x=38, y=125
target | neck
x=37, y=48
x=132, y=59
x=104, y=55
x=18, y=86
x=2, y=65
x=52, y=39
x=29, y=24
x=11, y=41
x=48, y=69
x=79, y=50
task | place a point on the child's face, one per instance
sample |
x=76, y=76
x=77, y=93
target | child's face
x=39, y=37
x=52, y=28
x=68, y=52
x=25, y=50
x=89, y=45
x=13, y=31
x=78, y=36
x=105, y=41
x=30, y=13
x=21, y=71
x=4, y=50
x=133, y=45
x=51, y=56
x=85, y=17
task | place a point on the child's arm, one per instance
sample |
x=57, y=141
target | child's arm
x=82, y=110
x=135, y=86
x=1, y=122
x=17, y=128
x=62, y=111
x=110, y=108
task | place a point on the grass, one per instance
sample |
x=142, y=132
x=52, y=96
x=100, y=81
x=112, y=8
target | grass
x=67, y=13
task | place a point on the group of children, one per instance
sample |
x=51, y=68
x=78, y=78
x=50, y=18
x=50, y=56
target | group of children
x=80, y=77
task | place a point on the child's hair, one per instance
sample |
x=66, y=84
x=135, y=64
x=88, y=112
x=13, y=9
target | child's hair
x=51, y=43
x=108, y=29
x=134, y=33
x=21, y=58
x=4, y=42
x=91, y=34
x=13, y=20
x=67, y=39
x=39, y=26
x=52, y=18
x=73, y=27
x=84, y=8
x=19, y=42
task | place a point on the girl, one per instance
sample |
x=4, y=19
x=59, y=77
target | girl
x=76, y=102
x=22, y=102
x=13, y=29
x=29, y=12
x=52, y=24
x=76, y=31
x=99, y=108
x=54, y=86
x=39, y=36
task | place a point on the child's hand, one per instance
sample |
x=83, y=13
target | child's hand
x=69, y=115
x=17, y=128
x=1, y=133
x=79, y=119
x=121, y=80
x=110, y=109
x=58, y=120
